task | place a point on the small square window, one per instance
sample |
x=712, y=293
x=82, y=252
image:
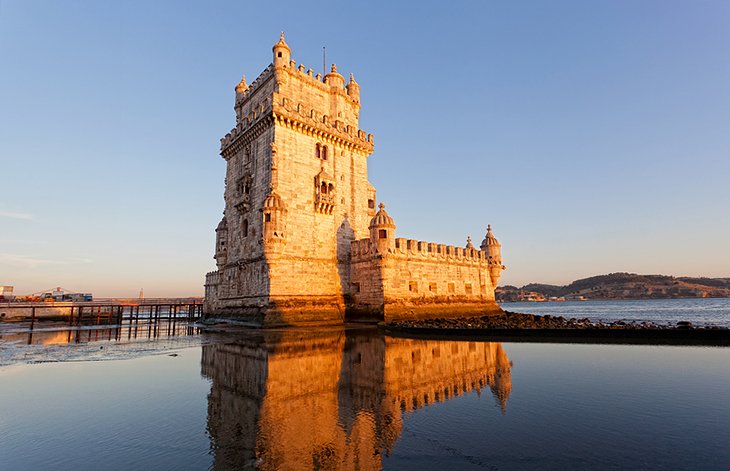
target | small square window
x=371, y=204
x=383, y=234
x=267, y=217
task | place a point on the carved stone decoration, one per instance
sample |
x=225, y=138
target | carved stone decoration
x=306, y=242
x=324, y=193
x=242, y=201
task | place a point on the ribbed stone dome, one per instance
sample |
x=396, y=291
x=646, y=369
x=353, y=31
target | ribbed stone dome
x=489, y=239
x=281, y=43
x=273, y=201
x=242, y=86
x=382, y=219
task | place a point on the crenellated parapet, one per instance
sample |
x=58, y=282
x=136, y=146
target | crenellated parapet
x=274, y=95
x=310, y=122
x=364, y=249
x=303, y=237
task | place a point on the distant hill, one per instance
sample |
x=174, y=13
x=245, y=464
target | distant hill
x=621, y=286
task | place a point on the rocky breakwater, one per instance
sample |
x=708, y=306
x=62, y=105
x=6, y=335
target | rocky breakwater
x=530, y=327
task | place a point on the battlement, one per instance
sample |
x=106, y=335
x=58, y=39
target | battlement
x=212, y=278
x=364, y=249
x=291, y=113
x=255, y=85
x=299, y=207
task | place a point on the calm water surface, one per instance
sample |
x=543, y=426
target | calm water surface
x=701, y=312
x=355, y=399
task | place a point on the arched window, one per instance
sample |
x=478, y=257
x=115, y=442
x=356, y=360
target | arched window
x=330, y=188
x=244, y=228
x=318, y=151
x=323, y=188
x=324, y=152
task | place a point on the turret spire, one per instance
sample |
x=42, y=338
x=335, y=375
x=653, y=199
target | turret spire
x=282, y=52
x=242, y=86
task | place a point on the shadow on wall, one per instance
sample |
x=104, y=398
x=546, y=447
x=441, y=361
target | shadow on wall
x=345, y=234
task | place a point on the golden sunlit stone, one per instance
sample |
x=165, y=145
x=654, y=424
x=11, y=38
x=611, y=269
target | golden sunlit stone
x=301, y=241
x=332, y=401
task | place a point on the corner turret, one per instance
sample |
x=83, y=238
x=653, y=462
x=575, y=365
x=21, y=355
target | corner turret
x=492, y=248
x=382, y=231
x=241, y=88
x=282, y=52
x=274, y=213
x=353, y=89
x=334, y=79
x=221, y=242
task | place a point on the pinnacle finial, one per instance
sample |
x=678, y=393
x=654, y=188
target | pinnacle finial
x=352, y=77
x=489, y=228
x=241, y=87
x=381, y=206
x=281, y=42
x=334, y=68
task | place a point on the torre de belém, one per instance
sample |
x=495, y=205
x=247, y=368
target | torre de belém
x=302, y=240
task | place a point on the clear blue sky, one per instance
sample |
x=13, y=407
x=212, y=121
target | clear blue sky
x=593, y=135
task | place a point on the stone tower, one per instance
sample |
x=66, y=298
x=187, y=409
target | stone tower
x=493, y=249
x=296, y=195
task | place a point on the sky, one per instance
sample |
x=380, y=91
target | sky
x=594, y=136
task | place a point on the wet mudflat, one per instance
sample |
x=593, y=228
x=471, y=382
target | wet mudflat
x=358, y=399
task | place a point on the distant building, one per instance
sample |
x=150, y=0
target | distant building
x=301, y=240
x=6, y=293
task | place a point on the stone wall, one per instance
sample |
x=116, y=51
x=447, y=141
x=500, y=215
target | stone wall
x=296, y=197
x=283, y=246
x=420, y=279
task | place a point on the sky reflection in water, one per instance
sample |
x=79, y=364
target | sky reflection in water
x=355, y=399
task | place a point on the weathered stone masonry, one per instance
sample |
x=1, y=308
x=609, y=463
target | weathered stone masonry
x=300, y=240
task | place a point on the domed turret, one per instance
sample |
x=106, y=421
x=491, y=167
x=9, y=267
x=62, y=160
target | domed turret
x=334, y=79
x=382, y=230
x=282, y=52
x=274, y=213
x=492, y=248
x=353, y=89
x=241, y=87
x=221, y=242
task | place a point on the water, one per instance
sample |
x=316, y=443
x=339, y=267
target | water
x=356, y=399
x=701, y=312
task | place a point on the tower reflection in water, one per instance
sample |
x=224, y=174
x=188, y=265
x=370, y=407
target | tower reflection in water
x=333, y=400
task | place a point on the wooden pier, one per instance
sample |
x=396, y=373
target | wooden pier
x=97, y=313
x=89, y=321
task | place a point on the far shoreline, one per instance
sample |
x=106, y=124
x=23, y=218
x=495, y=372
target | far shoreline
x=718, y=337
